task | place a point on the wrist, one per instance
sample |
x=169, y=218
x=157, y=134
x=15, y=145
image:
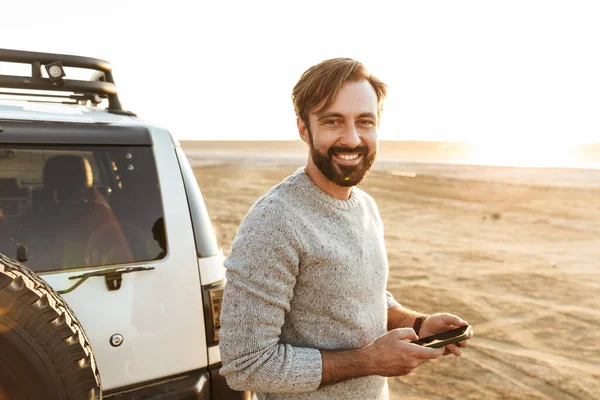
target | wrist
x=418, y=322
x=347, y=364
x=366, y=357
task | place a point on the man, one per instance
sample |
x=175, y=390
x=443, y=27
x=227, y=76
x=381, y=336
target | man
x=305, y=310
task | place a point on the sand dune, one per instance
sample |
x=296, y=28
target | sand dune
x=519, y=261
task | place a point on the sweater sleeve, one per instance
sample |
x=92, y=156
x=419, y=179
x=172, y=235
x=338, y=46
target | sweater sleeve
x=261, y=275
x=391, y=301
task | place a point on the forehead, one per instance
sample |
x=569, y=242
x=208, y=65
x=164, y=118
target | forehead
x=354, y=98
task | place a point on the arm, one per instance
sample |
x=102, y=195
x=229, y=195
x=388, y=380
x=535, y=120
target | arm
x=261, y=275
x=402, y=317
x=389, y=355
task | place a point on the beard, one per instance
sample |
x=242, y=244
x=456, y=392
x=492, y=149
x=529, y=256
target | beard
x=342, y=175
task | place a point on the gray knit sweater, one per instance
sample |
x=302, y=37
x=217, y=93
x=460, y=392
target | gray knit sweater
x=307, y=272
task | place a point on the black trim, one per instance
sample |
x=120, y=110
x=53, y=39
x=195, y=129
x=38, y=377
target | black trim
x=53, y=133
x=202, y=384
x=204, y=233
x=26, y=57
x=219, y=388
x=194, y=385
x=19, y=82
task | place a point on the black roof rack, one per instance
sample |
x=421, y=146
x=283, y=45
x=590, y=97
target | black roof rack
x=101, y=85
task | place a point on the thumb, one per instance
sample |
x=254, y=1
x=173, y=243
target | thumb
x=450, y=319
x=406, y=333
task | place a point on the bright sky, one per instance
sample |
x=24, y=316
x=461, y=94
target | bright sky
x=495, y=73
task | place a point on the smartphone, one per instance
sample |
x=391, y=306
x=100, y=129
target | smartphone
x=445, y=338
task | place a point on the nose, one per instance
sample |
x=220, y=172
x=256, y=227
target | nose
x=350, y=137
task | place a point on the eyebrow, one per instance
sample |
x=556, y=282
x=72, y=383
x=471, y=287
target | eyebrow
x=339, y=115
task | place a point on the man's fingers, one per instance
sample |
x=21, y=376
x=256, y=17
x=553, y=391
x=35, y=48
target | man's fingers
x=454, y=349
x=465, y=342
x=429, y=353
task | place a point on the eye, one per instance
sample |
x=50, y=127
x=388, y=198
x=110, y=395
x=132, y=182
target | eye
x=331, y=122
x=366, y=122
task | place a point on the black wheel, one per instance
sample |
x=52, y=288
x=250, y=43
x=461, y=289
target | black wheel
x=44, y=352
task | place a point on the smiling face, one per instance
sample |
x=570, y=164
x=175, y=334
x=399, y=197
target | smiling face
x=343, y=137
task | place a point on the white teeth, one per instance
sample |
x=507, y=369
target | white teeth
x=348, y=157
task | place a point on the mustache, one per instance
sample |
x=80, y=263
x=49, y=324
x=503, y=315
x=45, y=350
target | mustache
x=347, y=150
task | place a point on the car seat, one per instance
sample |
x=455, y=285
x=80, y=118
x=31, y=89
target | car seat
x=80, y=227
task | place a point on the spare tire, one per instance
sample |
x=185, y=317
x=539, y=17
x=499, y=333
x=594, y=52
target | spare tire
x=44, y=352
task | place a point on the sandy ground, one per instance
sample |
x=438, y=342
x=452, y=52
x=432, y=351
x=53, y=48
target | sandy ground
x=520, y=262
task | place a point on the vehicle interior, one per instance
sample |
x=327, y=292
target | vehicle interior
x=79, y=207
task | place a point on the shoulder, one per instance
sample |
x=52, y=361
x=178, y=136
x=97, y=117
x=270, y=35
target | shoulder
x=268, y=228
x=369, y=205
x=365, y=198
x=275, y=207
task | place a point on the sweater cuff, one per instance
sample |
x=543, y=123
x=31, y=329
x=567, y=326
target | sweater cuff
x=308, y=377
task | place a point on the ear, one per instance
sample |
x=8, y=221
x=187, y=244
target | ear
x=302, y=130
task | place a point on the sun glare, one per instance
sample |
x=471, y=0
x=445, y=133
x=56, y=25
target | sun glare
x=523, y=155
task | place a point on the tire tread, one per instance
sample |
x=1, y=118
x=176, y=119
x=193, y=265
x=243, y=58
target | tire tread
x=30, y=302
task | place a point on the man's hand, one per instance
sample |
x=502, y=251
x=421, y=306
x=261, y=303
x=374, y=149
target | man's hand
x=442, y=322
x=392, y=354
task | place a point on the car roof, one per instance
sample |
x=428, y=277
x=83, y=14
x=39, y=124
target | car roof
x=49, y=112
x=76, y=114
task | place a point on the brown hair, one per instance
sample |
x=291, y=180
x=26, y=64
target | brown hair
x=319, y=85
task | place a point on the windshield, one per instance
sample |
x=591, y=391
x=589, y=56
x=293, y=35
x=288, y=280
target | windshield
x=75, y=207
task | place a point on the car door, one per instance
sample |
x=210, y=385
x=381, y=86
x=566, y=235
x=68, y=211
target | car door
x=107, y=224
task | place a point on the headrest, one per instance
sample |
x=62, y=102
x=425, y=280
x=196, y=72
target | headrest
x=8, y=186
x=67, y=173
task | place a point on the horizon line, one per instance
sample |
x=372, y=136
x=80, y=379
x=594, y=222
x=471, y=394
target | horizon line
x=381, y=140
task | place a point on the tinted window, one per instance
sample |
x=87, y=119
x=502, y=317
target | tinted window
x=74, y=207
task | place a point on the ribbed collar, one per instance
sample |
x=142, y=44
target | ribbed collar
x=311, y=191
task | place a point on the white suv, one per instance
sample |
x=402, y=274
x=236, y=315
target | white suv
x=104, y=211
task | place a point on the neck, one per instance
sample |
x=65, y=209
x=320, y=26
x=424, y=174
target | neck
x=315, y=174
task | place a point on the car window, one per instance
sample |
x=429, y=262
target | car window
x=76, y=207
x=206, y=239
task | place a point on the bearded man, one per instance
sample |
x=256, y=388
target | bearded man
x=306, y=314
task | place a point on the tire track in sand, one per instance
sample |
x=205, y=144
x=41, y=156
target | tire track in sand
x=504, y=297
x=522, y=379
x=498, y=320
x=545, y=357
